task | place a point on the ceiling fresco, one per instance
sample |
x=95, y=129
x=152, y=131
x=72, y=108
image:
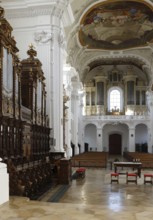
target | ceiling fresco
x=117, y=25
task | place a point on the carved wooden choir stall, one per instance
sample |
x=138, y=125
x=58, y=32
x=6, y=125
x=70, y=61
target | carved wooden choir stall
x=24, y=126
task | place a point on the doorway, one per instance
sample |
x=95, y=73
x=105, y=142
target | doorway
x=86, y=149
x=73, y=149
x=115, y=144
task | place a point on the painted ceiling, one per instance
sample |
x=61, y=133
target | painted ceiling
x=117, y=25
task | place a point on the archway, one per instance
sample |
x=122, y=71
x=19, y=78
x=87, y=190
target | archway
x=115, y=144
x=118, y=129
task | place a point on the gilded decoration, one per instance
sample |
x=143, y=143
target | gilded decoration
x=117, y=25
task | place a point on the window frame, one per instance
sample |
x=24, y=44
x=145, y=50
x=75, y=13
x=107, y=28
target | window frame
x=121, y=98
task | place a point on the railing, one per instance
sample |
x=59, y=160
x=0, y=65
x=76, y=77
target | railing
x=117, y=117
x=136, y=110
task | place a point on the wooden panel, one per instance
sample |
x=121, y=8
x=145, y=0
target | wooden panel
x=65, y=171
x=115, y=144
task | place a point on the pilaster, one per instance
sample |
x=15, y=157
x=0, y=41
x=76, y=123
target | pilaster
x=80, y=124
x=131, y=139
x=67, y=85
x=150, y=128
x=99, y=139
x=50, y=43
x=56, y=84
x=75, y=104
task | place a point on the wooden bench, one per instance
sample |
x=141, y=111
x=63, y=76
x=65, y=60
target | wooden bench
x=90, y=159
x=145, y=158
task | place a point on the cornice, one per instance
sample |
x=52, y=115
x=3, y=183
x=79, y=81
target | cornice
x=30, y=12
x=10, y=5
x=79, y=56
x=18, y=4
x=32, y=8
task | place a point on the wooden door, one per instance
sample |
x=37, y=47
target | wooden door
x=115, y=144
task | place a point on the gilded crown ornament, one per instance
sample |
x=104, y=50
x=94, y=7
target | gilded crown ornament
x=31, y=52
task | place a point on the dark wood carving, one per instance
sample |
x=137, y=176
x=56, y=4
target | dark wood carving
x=24, y=134
x=21, y=136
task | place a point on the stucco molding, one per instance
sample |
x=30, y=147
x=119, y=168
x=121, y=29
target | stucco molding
x=43, y=37
x=83, y=61
x=27, y=8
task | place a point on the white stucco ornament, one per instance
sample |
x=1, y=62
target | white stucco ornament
x=43, y=37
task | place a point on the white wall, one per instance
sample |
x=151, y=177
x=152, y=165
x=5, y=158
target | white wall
x=24, y=29
x=141, y=134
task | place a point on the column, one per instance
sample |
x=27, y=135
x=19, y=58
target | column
x=65, y=121
x=82, y=139
x=75, y=123
x=149, y=142
x=75, y=106
x=80, y=117
x=68, y=126
x=67, y=75
x=149, y=99
x=57, y=85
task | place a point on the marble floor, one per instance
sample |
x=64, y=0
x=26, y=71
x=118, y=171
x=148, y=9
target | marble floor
x=91, y=198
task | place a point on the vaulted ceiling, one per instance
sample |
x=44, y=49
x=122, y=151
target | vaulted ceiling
x=104, y=33
x=107, y=33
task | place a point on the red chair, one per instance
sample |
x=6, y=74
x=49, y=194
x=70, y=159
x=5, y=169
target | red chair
x=148, y=178
x=115, y=177
x=131, y=177
x=81, y=172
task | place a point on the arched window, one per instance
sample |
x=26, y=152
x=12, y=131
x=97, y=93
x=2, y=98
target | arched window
x=115, y=100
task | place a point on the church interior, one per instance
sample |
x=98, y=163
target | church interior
x=76, y=109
